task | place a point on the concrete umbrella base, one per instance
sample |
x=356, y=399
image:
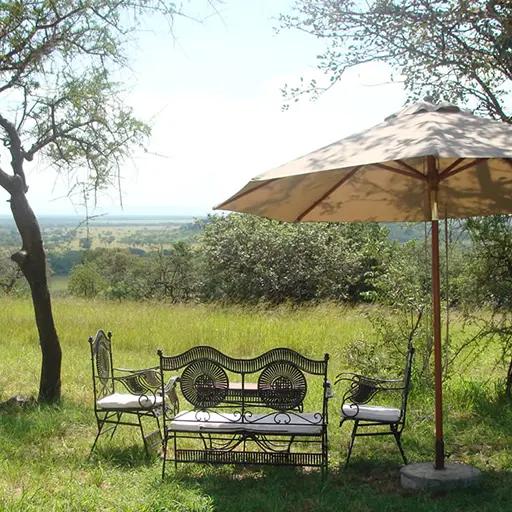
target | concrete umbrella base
x=423, y=475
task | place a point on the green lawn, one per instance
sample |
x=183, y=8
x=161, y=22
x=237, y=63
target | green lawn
x=44, y=451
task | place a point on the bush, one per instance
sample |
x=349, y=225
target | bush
x=85, y=280
x=251, y=259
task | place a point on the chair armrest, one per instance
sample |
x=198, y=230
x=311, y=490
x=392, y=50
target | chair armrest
x=143, y=381
x=362, y=388
x=351, y=376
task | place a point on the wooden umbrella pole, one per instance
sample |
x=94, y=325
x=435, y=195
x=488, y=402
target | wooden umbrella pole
x=436, y=313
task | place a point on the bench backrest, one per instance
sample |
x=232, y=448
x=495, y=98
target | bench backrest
x=275, y=380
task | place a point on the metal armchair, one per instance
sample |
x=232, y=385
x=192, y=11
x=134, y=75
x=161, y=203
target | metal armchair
x=122, y=396
x=376, y=420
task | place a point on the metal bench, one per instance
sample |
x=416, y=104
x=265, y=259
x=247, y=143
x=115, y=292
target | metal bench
x=246, y=411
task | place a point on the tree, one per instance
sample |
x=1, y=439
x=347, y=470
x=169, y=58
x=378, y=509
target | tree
x=85, y=281
x=246, y=258
x=460, y=51
x=173, y=272
x=488, y=277
x=59, y=100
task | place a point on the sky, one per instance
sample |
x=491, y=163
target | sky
x=211, y=92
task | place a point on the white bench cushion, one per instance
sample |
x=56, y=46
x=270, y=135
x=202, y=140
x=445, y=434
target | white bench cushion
x=128, y=401
x=273, y=423
x=370, y=413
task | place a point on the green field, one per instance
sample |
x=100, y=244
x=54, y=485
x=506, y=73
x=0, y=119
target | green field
x=58, y=285
x=44, y=453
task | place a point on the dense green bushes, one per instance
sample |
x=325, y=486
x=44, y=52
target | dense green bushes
x=249, y=259
x=121, y=274
x=244, y=259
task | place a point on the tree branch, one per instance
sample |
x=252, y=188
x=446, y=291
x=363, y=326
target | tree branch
x=15, y=149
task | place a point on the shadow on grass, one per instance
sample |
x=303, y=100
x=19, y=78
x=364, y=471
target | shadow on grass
x=28, y=423
x=42, y=428
x=123, y=457
x=364, y=486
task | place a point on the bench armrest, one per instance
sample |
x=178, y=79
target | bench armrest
x=329, y=393
x=173, y=406
x=171, y=383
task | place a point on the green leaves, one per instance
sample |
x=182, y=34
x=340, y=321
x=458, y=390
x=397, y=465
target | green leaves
x=57, y=60
x=460, y=50
x=251, y=259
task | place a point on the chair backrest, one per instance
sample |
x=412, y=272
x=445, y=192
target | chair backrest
x=407, y=379
x=102, y=366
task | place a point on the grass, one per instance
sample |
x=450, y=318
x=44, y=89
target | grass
x=59, y=285
x=44, y=451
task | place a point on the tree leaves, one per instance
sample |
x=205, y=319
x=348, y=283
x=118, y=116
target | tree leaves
x=458, y=51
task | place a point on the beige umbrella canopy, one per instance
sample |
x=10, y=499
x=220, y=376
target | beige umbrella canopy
x=423, y=163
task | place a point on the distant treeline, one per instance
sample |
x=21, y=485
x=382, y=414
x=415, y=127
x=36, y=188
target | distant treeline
x=247, y=259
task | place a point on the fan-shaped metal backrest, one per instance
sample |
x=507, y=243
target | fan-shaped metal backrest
x=204, y=383
x=101, y=348
x=282, y=386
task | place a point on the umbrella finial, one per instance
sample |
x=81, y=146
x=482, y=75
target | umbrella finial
x=429, y=99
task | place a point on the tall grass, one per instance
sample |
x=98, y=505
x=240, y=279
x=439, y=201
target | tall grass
x=44, y=451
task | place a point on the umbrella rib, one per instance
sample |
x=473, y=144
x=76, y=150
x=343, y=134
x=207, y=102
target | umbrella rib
x=412, y=169
x=453, y=165
x=328, y=193
x=243, y=194
x=448, y=174
x=416, y=174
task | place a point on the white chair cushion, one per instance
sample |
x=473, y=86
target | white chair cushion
x=370, y=413
x=128, y=401
x=276, y=423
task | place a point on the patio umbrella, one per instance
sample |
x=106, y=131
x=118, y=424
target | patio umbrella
x=424, y=163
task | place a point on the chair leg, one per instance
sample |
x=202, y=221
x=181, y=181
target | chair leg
x=119, y=416
x=352, y=440
x=101, y=424
x=146, y=448
x=399, y=443
x=164, y=455
x=175, y=451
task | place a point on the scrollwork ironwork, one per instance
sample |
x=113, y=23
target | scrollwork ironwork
x=204, y=383
x=282, y=386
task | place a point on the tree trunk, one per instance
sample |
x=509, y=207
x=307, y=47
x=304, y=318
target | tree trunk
x=32, y=262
